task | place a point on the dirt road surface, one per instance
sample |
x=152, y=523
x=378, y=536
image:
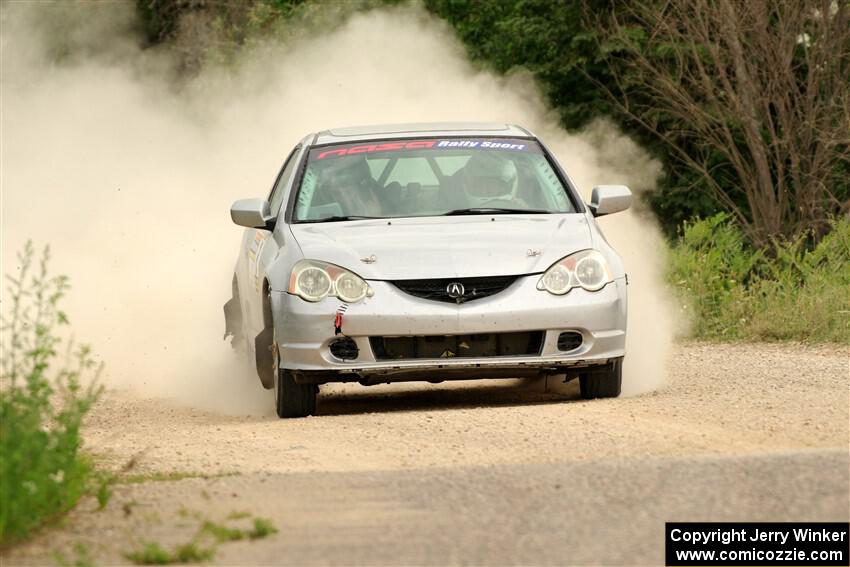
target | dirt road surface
x=496, y=472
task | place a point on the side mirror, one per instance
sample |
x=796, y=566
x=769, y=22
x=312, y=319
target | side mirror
x=607, y=199
x=252, y=213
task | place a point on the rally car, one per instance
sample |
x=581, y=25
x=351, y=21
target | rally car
x=426, y=252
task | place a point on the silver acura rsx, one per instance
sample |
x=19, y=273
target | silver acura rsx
x=426, y=252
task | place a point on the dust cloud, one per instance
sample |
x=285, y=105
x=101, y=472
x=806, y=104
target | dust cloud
x=129, y=177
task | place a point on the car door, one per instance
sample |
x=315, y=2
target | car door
x=261, y=247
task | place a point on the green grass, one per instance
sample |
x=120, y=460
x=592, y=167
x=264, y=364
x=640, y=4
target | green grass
x=793, y=292
x=103, y=490
x=222, y=533
x=44, y=396
x=192, y=553
x=262, y=528
x=152, y=553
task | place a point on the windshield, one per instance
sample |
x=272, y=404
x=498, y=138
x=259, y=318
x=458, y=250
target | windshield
x=428, y=178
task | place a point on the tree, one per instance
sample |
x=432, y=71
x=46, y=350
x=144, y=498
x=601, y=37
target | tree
x=756, y=93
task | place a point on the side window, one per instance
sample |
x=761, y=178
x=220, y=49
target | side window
x=276, y=197
x=550, y=184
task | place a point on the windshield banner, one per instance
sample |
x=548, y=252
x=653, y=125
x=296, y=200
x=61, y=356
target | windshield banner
x=498, y=144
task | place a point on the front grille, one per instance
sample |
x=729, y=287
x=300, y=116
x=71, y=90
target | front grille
x=474, y=288
x=481, y=345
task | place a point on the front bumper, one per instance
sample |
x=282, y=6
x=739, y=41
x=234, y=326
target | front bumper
x=305, y=331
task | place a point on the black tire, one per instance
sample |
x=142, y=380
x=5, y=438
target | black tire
x=602, y=381
x=293, y=399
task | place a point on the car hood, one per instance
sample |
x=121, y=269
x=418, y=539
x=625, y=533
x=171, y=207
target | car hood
x=445, y=247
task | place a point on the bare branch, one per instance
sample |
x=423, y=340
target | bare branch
x=764, y=84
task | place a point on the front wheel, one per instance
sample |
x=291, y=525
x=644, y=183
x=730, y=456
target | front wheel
x=291, y=399
x=602, y=381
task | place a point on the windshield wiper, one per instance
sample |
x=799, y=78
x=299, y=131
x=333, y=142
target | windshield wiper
x=336, y=218
x=496, y=211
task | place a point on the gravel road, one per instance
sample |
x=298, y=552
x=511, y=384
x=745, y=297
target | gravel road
x=495, y=472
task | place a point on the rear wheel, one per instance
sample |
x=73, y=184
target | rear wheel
x=602, y=381
x=290, y=398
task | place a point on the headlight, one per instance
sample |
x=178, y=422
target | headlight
x=586, y=269
x=313, y=283
x=313, y=280
x=557, y=279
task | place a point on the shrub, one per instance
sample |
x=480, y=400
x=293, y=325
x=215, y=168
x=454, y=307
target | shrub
x=794, y=292
x=42, y=403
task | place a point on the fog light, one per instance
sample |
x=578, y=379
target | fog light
x=344, y=349
x=569, y=340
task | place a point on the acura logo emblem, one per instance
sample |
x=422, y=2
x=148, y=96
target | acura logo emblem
x=455, y=290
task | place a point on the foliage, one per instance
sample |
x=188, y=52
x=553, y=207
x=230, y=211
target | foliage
x=752, y=98
x=103, y=489
x=151, y=553
x=196, y=549
x=262, y=528
x=550, y=40
x=42, y=403
x=192, y=553
x=797, y=292
x=222, y=533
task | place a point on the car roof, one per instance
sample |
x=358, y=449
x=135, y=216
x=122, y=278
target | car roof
x=392, y=131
